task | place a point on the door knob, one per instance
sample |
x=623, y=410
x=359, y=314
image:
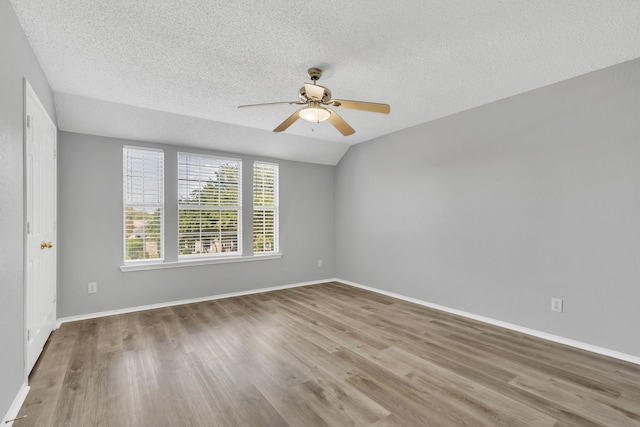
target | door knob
x=45, y=245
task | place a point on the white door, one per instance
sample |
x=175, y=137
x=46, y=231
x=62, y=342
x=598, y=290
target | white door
x=40, y=259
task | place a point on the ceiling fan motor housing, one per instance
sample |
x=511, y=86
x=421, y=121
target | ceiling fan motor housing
x=326, y=96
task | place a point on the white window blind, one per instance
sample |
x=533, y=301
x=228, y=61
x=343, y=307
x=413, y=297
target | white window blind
x=209, y=206
x=143, y=197
x=265, y=207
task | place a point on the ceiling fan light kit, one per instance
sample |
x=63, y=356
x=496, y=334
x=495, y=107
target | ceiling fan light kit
x=314, y=98
x=314, y=114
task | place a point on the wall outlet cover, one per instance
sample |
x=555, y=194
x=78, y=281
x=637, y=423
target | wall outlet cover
x=556, y=305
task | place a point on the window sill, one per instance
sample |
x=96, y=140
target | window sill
x=195, y=262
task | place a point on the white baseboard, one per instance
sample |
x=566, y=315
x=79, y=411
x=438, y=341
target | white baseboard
x=183, y=301
x=522, y=329
x=14, y=409
x=528, y=331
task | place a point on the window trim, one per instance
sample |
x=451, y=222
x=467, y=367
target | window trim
x=245, y=210
x=159, y=265
x=160, y=205
x=275, y=208
x=191, y=258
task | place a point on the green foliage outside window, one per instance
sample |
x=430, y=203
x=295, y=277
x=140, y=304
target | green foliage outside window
x=208, y=220
x=142, y=237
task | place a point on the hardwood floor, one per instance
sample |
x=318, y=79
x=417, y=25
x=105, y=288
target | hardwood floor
x=323, y=355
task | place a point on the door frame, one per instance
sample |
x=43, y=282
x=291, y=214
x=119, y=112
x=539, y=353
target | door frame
x=28, y=91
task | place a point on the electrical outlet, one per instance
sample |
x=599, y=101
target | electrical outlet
x=319, y=263
x=556, y=305
x=92, y=288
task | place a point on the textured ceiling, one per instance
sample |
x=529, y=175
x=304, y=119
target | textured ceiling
x=142, y=69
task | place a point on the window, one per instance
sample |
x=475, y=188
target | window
x=265, y=207
x=209, y=206
x=143, y=197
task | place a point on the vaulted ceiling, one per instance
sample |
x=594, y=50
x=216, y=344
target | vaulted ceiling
x=175, y=71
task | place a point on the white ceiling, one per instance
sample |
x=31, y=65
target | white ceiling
x=175, y=71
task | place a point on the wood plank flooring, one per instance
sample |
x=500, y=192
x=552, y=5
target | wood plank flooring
x=323, y=355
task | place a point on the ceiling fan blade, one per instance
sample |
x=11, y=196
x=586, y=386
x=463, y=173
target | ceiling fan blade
x=359, y=105
x=288, y=122
x=272, y=103
x=342, y=126
x=314, y=92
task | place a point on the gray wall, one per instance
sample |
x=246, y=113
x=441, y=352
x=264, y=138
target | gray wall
x=16, y=62
x=491, y=211
x=90, y=231
x=497, y=209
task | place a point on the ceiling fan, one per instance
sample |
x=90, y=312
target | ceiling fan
x=314, y=98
